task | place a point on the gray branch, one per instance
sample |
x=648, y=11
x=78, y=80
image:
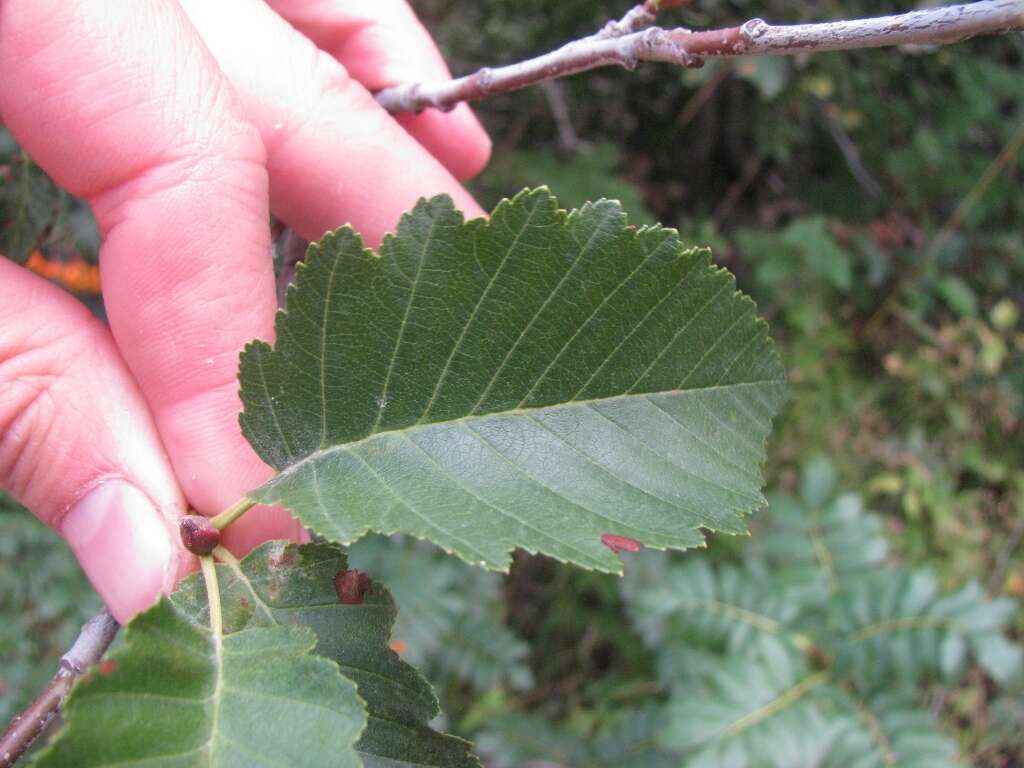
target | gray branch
x=93, y=640
x=632, y=40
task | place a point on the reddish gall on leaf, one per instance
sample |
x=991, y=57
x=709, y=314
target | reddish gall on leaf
x=617, y=543
x=198, y=535
x=398, y=646
x=351, y=585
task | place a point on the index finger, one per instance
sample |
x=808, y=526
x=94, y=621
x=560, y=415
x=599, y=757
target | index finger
x=121, y=103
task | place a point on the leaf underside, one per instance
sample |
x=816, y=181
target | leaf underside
x=534, y=380
x=174, y=695
x=280, y=584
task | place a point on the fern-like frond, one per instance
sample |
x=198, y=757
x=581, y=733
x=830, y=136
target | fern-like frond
x=720, y=608
x=898, y=625
x=519, y=739
x=482, y=652
x=751, y=711
x=889, y=729
x=516, y=739
x=817, y=542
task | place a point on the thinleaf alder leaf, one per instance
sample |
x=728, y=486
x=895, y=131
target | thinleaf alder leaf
x=534, y=380
x=176, y=695
x=279, y=585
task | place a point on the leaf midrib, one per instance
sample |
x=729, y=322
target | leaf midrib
x=417, y=427
x=218, y=692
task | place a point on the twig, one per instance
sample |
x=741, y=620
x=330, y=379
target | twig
x=554, y=94
x=930, y=26
x=725, y=206
x=638, y=18
x=850, y=152
x=703, y=95
x=93, y=640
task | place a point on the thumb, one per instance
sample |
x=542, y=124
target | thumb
x=78, y=446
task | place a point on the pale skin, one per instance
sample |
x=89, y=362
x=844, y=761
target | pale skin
x=184, y=125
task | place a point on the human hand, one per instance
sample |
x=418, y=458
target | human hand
x=184, y=125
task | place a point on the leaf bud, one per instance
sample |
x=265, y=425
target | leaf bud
x=198, y=535
x=351, y=585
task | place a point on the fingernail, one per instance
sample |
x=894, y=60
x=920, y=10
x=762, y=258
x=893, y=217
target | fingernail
x=123, y=545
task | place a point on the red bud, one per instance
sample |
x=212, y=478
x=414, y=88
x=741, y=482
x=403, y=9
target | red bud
x=351, y=585
x=198, y=535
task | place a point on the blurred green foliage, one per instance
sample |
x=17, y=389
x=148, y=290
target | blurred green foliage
x=809, y=651
x=44, y=599
x=450, y=620
x=872, y=202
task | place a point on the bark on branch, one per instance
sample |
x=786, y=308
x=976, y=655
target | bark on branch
x=93, y=640
x=631, y=40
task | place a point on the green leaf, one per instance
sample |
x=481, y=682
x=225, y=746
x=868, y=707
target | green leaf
x=517, y=739
x=720, y=608
x=1002, y=659
x=750, y=711
x=630, y=742
x=817, y=482
x=960, y=297
x=536, y=380
x=818, y=543
x=822, y=255
x=886, y=730
x=285, y=584
x=176, y=695
x=899, y=626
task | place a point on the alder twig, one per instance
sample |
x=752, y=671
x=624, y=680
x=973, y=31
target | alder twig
x=93, y=640
x=638, y=18
x=614, y=45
